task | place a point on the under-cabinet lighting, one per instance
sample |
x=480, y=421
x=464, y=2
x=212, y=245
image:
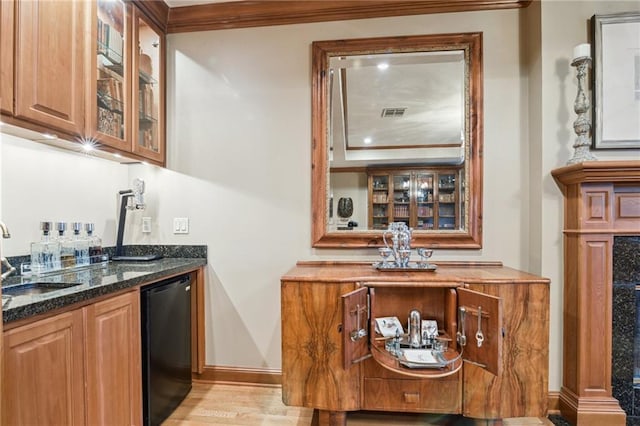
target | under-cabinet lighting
x=367, y=140
x=115, y=154
x=88, y=145
x=50, y=136
x=383, y=66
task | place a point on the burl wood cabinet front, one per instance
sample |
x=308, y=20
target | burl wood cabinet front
x=315, y=375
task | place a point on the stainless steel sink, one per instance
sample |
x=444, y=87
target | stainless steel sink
x=34, y=288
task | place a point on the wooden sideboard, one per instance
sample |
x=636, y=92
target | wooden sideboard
x=324, y=368
x=602, y=199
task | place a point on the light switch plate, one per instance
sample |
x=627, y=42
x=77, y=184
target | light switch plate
x=146, y=225
x=180, y=225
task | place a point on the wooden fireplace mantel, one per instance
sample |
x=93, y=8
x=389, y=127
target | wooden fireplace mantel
x=601, y=200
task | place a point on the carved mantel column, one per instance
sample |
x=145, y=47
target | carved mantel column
x=602, y=199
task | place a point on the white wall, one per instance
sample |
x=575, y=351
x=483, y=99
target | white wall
x=354, y=186
x=564, y=24
x=39, y=183
x=239, y=124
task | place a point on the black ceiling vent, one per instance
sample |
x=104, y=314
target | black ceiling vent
x=392, y=112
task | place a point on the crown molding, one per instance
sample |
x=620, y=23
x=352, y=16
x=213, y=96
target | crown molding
x=244, y=14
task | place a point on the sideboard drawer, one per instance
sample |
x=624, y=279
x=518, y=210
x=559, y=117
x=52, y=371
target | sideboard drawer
x=433, y=396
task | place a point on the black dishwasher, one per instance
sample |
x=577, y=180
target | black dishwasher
x=166, y=347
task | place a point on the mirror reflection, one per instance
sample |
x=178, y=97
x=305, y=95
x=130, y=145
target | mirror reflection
x=396, y=121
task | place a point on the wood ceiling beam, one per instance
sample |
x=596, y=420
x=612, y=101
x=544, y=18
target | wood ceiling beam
x=244, y=14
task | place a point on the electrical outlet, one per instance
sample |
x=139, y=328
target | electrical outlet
x=146, y=225
x=180, y=225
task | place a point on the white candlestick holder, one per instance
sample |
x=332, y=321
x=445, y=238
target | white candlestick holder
x=582, y=125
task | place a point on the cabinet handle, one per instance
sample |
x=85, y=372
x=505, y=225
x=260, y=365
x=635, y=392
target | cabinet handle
x=411, y=397
x=461, y=336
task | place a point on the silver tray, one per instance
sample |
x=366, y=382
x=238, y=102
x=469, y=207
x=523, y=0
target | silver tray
x=412, y=267
x=439, y=361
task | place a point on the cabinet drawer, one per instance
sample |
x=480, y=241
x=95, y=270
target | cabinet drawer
x=433, y=396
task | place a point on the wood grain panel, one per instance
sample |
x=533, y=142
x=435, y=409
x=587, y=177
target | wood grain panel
x=489, y=309
x=312, y=363
x=431, y=396
x=594, y=335
x=355, y=327
x=48, y=52
x=114, y=372
x=627, y=209
x=197, y=322
x=628, y=206
x=596, y=210
x=43, y=377
x=521, y=389
x=6, y=55
x=243, y=14
x=585, y=396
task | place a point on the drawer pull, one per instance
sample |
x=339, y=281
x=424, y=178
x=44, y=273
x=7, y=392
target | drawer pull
x=411, y=397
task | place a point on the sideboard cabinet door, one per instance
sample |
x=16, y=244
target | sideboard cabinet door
x=312, y=357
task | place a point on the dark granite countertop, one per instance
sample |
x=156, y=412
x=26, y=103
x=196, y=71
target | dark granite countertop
x=94, y=281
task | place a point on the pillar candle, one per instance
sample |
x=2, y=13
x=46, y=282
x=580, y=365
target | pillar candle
x=581, y=51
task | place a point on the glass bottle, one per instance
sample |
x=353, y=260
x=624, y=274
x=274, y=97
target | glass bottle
x=80, y=245
x=45, y=254
x=67, y=249
x=95, y=244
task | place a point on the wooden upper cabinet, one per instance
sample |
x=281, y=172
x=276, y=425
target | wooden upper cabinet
x=126, y=85
x=6, y=56
x=49, y=63
x=109, y=93
x=148, y=89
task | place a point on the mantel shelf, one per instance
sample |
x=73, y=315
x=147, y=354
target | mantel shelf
x=598, y=172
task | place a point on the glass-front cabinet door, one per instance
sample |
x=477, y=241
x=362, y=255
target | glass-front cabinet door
x=148, y=93
x=447, y=201
x=424, y=201
x=110, y=124
x=402, y=197
x=379, y=201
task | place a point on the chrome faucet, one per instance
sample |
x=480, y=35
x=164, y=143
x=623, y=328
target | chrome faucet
x=5, y=230
x=10, y=269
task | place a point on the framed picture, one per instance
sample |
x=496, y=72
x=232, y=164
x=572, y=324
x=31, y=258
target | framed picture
x=616, y=80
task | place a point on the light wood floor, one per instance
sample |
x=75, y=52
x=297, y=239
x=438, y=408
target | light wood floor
x=221, y=404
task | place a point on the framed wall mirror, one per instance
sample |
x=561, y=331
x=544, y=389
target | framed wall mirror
x=397, y=137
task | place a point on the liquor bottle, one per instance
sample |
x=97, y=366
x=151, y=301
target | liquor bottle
x=80, y=245
x=45, y=254
x=67, y=249
x=95, y=244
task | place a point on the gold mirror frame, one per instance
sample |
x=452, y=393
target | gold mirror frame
x=471, y=44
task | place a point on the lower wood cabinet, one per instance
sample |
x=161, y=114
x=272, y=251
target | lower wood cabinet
x=334, y=360
x=43, y=380
x=48, y=364
x=113, y=361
